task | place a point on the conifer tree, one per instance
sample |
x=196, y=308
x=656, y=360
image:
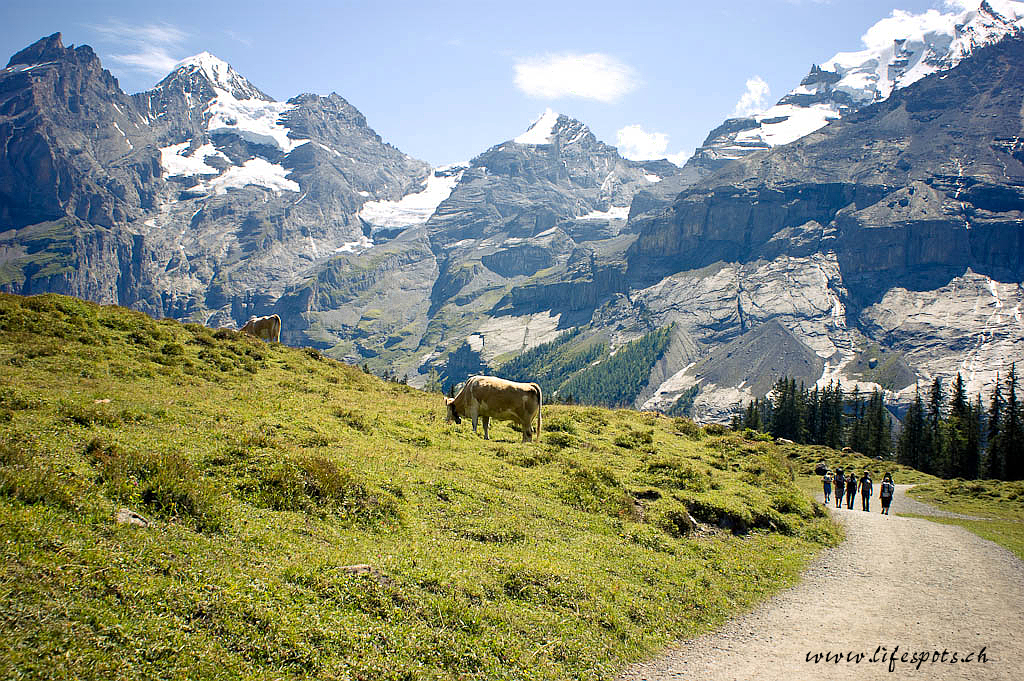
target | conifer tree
x=994, y=457
x=857, y=432
x=972, y=459
x=934, y=454
x=1013, y=447
x=877, y=427
x=956, y=431
x=834, y=429
x=911, y=441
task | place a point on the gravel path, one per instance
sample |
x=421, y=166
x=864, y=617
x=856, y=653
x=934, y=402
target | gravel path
x=905, y=582
x=907, y=504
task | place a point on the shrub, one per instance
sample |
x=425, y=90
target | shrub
x=636, y=439
x=651, y=538
x=594, y=489
x=688, y=428
x=166, y=484
x=673, y=471
x=725, y=511
x=562, y=424
x=16, y=400
x=674, y=519
x=716, y=429
x=89, y=415
x=356, y=420
x=493, y=532
x=559, y=439
x=318, y=486
x=25, y=474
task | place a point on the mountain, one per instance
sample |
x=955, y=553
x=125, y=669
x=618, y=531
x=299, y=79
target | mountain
x=899, y=227
x=900, y=50
x=200, y=199
x=880, y=250
x=493, y=257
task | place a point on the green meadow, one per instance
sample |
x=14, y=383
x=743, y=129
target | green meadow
x=308, y=520
x=998, y=504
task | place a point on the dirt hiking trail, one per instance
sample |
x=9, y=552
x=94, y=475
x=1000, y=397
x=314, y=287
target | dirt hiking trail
x=909, y=582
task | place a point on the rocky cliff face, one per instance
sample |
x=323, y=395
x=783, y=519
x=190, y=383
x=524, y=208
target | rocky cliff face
x=527, y=239
x=201, y=199
x=909, y=201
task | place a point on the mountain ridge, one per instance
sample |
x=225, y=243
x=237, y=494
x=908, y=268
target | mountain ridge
x=206, y=200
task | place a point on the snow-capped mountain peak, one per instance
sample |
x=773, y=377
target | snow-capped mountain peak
x=899, y=50
x=542, y=131
x=903, y=48
x=216, y=73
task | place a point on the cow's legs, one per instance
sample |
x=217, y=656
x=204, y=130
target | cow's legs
x=487, y=422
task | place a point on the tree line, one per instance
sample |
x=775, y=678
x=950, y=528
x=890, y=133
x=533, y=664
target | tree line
x=617, y=380
x=948, y=436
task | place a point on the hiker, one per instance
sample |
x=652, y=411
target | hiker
x=851, y=490
x=885, y=493
x=866, y=488
x=840, y=482
x=826, y=481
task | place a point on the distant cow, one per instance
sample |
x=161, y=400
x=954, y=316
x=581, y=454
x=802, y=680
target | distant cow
x=488, y=397
x=267, y=328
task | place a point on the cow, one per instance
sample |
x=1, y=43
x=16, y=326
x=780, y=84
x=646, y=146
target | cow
x=267, y=328
x=490, y=397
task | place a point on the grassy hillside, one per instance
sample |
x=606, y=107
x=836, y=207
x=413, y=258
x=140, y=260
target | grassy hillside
x=999, y=502
x=267, y=472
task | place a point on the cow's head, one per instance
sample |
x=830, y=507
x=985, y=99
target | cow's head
x=451, y=415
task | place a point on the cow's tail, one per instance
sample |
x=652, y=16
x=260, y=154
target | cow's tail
x=539, y=401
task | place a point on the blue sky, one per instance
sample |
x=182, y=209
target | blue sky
x=443, y=81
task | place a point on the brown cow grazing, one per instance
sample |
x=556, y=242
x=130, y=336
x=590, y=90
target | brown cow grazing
x=267, y=328
x=489, y=397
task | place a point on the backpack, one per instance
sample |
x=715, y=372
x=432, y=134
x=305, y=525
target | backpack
x=886, y=491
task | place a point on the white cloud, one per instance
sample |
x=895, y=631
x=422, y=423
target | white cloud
x=155, y=61
x=150, y=48
x=681, y=158
x=636, y=143
x=755, y=99
x=590, y=76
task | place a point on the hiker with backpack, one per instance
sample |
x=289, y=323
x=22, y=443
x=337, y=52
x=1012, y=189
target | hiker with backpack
x=840, y=483
x=826, y=481
x=866, y=488
x=851, y=490
x=885, y=493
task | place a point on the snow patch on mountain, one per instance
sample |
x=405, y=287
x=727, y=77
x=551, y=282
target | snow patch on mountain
x=414, y=209
x=253, y=120
x=542, y=131
x=359, y=246
x=175, y=161
x=785, y=123
x=255, y=171
x=613, y=213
